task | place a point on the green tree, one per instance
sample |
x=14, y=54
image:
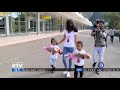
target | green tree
x=113, y=18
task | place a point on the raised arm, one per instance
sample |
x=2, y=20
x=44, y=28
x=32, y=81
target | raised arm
x=64, y=37
x=75, y=39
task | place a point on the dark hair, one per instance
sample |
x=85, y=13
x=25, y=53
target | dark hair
x=70, y=26
x=80, y=42
x=52, y=39
x=100, y=21
x=75, y=29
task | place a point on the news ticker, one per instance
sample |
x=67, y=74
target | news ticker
x=63, y=69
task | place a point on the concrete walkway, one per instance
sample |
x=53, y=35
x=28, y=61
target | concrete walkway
x=32, y=55
x=10, y=40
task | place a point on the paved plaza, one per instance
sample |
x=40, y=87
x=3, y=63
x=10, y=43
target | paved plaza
x=32, y=55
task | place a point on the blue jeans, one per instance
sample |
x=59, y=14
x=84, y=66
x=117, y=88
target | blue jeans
x=65, y=51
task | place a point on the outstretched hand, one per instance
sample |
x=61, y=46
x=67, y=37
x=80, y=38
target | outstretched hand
x=88, y=56
x=83, y=56
x=47, y=48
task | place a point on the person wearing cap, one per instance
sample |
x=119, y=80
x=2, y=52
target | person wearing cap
x=99, y=43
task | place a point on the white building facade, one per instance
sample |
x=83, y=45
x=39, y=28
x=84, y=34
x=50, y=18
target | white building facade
x=15, y=23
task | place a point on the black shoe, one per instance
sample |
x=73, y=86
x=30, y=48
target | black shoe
x=97, y=71
x=52, y=66
x=94, y=64
x=53, y=70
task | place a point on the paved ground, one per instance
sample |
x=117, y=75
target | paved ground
x=32, y=55
x=10, y=40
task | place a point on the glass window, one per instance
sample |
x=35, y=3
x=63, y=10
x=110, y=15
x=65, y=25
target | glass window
x=18, y=23
x=2, y=25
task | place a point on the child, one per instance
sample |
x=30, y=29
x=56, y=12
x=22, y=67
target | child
x=54, y=49
x=79, y=61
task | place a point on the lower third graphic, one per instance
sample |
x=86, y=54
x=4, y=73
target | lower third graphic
x=17, y=67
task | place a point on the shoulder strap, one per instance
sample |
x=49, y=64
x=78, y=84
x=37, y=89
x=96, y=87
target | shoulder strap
x=103, y=30
x=105, y=37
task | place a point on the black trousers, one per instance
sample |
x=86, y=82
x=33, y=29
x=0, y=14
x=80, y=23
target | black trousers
x=112, y=38
x=76, y=72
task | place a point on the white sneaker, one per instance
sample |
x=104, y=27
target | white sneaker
x=65, y=72
x=68, y=74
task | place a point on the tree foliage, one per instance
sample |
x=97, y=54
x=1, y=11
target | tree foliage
x=113, y=19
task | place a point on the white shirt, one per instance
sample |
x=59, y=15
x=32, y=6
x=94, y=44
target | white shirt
x=55, y=55
x=81, y=62
x=69, y=41
x=112, y=32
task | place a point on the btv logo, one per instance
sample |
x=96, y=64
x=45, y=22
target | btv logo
x=17, y=67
